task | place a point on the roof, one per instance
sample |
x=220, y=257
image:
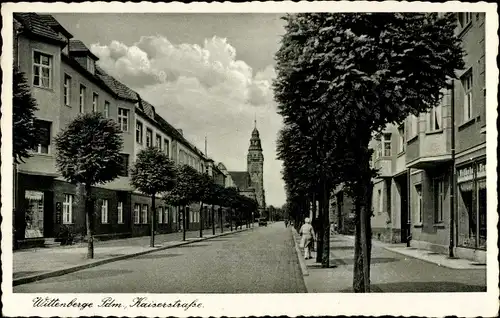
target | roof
x=77, y=46
x=120, y=89
x=34, y=25
x=147, y=108
x=54, y=24
x=241, y=179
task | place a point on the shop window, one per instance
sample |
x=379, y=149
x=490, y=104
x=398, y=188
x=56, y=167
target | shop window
x=104, y=212
x=43, y=131
x=481, y=202
x=34, y=214
x=68, y=209
x=137, y=214
x=120, y=212
x=144, y=217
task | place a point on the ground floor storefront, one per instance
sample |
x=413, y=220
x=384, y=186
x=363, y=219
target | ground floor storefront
x=49, y=209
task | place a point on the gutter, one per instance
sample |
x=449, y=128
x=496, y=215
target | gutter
x=452, y=174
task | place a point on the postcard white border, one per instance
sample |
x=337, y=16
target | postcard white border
x=435, y=304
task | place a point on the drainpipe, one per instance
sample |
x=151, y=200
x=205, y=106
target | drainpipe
x=408, y=208
x=452, y=174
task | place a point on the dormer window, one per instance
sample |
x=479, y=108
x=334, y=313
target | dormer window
x=90, y=65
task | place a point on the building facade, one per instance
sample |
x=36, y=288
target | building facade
x=65, y=81
x=432, y=156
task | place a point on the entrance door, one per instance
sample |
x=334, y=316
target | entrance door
x=403, y=191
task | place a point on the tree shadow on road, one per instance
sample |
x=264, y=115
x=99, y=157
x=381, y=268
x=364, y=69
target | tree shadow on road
x=374, y=260
x=341, y=247
x=194, y=245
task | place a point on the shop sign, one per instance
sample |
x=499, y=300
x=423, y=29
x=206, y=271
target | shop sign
x=465, y=174
x=481, y=169
x=58, y=212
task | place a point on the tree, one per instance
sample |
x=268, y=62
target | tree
x=205, y=188
x=231, y=197
x=24, y=107
x=88, y=153
x=343, y=76
x=184, y=193
x=153, y=173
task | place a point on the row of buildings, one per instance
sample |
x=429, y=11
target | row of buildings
x=431, y=189
x=66, y=81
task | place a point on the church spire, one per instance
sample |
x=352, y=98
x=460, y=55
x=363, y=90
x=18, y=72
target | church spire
x=255, y=121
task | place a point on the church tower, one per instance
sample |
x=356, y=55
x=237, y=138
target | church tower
x=255, y=167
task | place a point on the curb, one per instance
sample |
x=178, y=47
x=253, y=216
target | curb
x=72, y=269
x=302, y=262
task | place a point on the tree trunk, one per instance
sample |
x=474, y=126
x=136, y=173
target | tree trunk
x=320, y=232
x=213, y=220
x=363, y=195
x=184, y=223
x=221, y=221
x=202, y=220
x=89, y=220
x=314, y=216
x=325, y=257
x=231, y=218
x=152, y=218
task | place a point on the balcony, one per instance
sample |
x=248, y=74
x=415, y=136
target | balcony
x=384, y=167
x=429, y=149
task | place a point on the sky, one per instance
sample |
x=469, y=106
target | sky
x=207, y=74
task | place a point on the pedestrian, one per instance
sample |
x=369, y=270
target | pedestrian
x=286, y=223
x=308, y=236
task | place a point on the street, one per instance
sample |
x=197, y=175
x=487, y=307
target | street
x=262, y=260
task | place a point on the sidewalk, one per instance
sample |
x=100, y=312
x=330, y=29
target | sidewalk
x=392, y=270
x=39, y=263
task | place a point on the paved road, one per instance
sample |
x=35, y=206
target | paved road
x=262, y=260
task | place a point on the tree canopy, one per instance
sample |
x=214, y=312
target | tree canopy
x=24, y=107
x=153, y=172
x=88, y=149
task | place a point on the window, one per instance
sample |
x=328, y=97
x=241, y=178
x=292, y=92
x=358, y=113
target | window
x=467, y=85
x=166, y=216
x=42, y=70
x=380, y=202
x=123, y=119
x=106, y=109
x=90, y=65
x=387, y=145
x=158, y=141
x=434, y=118
x=401, y=138
x=166, y=146
x=43, y=129
x=137, y=214
x=144, y=218
x=120, y=212
x=83, y=91
x=438, y=199
x=67, y=90
x=160, y=215
x=95, y=102
x=104, y=212
x=412, y=126
x=124, y=166
x=138, y=132
x=149, y=137
x=464, y=18
x=418, y=189
x=68, y=209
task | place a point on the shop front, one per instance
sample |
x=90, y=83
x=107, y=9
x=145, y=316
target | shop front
x=471, y=227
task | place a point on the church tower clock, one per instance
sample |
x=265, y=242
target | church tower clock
x=255, y=167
